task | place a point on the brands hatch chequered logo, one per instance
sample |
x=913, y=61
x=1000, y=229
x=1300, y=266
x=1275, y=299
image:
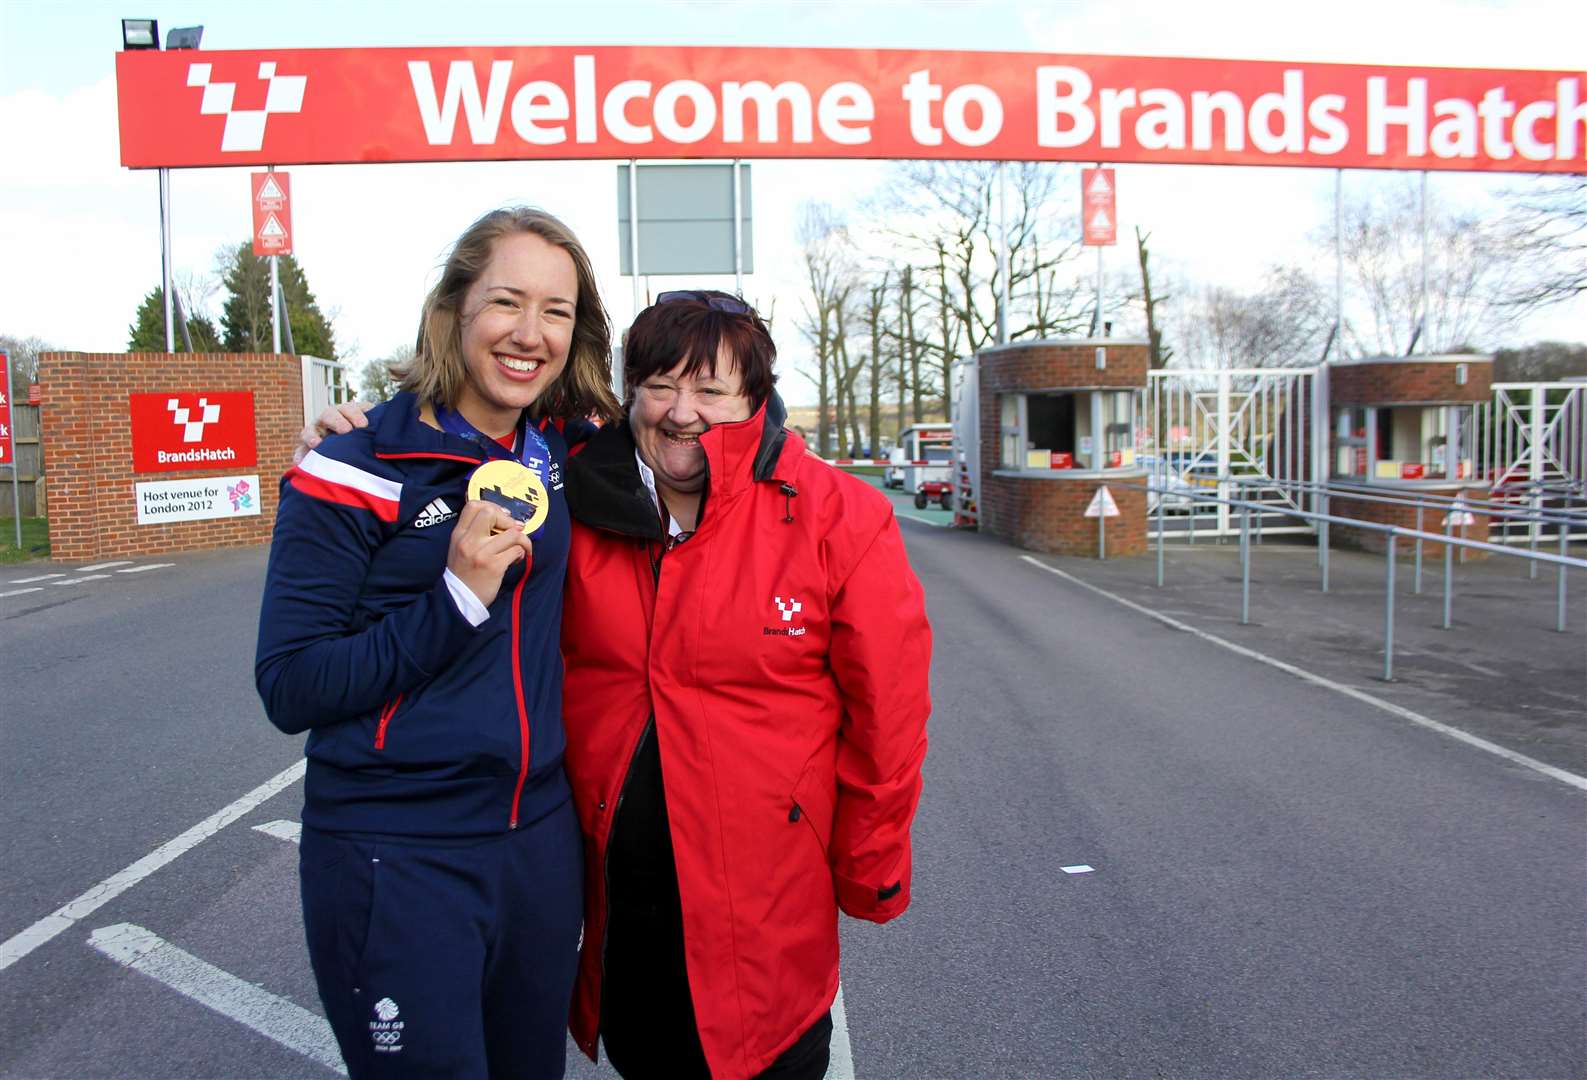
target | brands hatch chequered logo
x=193, y=429
x=787, y=609
x=245, y=128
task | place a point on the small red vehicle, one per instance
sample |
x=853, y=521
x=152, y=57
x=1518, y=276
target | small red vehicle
x=937, y=491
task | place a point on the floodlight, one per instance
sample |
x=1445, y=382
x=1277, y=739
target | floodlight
x=140, y=33
x=184, y=37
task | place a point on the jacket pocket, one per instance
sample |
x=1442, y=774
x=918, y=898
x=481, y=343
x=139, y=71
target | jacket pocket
x=815, y=799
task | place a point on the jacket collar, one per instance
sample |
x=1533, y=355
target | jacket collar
x=605, y=490
x=399, y=433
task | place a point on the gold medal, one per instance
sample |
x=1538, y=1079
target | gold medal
x=515, y=488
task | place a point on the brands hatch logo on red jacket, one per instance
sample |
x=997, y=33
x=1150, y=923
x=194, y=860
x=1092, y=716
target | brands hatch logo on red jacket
x=175, y=431
x=244, y=131
x=786, y=610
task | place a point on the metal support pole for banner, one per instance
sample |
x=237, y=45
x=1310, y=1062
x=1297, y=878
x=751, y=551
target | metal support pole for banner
x=1564, y=552
x=16, y=497
x=738, y=233
x=1421, y=322
x=165, y=256
x=633, y=233
x=1339, y=261
x=1102, y=537
x=1096, y=327
x=1002, y=253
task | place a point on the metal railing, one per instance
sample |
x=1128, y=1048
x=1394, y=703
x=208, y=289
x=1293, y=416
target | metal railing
x=1393, y=533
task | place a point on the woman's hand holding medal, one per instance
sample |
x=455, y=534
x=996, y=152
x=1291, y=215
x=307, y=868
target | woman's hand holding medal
x=485, y=541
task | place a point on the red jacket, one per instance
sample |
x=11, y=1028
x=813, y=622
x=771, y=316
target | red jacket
x=784, y=655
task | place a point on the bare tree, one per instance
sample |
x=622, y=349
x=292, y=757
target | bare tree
x=824, y=240
x=1549, y=222
x=1159, y=355
x=1471, y=265
x=1282, y=324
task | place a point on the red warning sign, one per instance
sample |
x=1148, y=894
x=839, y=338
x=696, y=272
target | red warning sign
x=272, y=213
x=1098, y=218
x=7, y=440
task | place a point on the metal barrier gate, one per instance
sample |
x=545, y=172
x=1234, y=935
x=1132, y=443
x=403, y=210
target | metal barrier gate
x=1530, y=443
x=1213, y=431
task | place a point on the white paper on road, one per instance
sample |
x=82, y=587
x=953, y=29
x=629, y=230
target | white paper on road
x=276, y=1018
x=1080, y=868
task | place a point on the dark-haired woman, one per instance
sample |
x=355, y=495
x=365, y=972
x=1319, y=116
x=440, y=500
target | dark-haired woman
x=746, y=698
x=413, y=633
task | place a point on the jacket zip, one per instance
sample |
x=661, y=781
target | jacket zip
x=523, y=711
x=385, y=720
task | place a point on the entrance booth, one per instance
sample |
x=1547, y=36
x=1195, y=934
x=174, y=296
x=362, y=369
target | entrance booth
x=1406, y=426
x=1058, y=421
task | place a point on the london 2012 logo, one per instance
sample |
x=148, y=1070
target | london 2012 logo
x=245, y=128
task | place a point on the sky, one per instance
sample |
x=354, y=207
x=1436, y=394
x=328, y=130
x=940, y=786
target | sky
x=82, y=233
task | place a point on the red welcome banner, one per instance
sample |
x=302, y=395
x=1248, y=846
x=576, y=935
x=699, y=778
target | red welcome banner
x=322, y=106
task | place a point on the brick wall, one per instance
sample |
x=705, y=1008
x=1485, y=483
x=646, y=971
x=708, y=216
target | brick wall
x=1062, y=365
x=1405, y=517
x=1046, y=513
x=88, y=444
x=1409, y=382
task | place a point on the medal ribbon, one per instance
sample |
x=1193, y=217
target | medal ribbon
x=529, y=446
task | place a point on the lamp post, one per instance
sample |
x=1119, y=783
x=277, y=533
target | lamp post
x=145, y=34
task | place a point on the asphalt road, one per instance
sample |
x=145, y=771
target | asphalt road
x=1285, y=882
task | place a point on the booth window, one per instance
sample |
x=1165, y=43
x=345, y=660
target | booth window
x=1402, y=442
x=1057, y=430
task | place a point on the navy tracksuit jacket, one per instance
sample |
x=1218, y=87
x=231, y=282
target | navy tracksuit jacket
x=440, y=855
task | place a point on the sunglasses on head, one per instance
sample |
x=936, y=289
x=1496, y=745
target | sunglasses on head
x=732, y=305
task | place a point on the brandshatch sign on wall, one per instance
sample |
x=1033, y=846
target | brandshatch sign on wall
x=176, y=431
x=310, y=106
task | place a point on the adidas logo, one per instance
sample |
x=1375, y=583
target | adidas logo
x=434, y=514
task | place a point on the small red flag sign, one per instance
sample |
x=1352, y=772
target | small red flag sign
x=272, y=213
x=1098, y=217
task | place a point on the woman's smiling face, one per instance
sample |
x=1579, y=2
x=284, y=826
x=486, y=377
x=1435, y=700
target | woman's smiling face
x=671, y=410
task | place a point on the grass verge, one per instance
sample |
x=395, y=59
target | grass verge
x=35, y=540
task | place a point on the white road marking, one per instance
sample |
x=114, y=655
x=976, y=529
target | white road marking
x=146, y=566
x=80, y=580
x=922, y=520
x=840, y=1066
x=19, y=592
x=66, y=916
x=103, y=566
x=281, y=830
x=276, y=1018
x=36, y=577
x=1579, y=782
x=1080, y=868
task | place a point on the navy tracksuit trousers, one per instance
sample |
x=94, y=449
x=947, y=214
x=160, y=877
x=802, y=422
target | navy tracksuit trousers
x=447, y=957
